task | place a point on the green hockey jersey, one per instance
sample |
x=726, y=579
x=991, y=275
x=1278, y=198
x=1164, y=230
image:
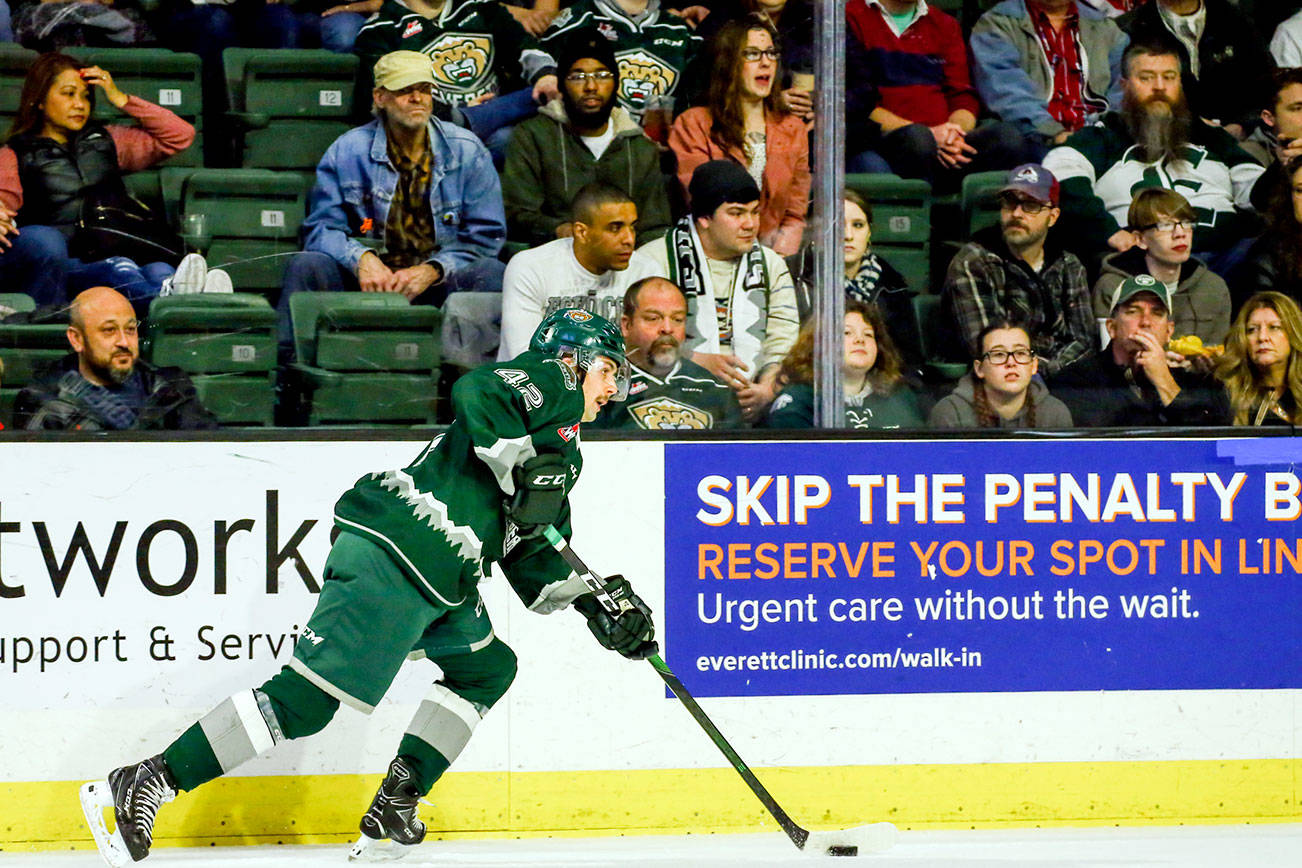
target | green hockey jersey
x=442, y=518
x=688, y=398
x=476, y=46
x=653, y=50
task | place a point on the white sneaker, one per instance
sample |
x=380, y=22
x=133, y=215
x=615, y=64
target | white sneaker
x=189, y=277
x=218, y=281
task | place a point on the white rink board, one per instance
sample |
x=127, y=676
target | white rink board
x=573, y=706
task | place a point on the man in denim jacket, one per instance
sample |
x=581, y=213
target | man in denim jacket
x=404, y=204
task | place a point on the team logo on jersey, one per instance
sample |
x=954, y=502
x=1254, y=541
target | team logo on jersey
x=666, y=414
x=463, y=64
x=642, y=74
x=638, y=387
x=606, y=29
x=569, y=432
x=567, y=373
x=412, y=28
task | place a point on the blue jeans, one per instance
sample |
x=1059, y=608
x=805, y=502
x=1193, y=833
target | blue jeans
x=6, y=23
x=315, y=272
x=39, y=265
x=494, y=120
x=339, y=31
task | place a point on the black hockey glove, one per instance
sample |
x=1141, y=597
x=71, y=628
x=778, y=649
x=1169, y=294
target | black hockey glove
x=631, y=632
x=539, y=493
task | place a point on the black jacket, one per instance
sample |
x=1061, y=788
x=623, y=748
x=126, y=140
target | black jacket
x=1099, y=395
x=56, y=178
x=1262, y=270
x=50, y=402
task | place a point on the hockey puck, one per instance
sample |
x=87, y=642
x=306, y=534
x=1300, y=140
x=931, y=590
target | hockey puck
x=839, y=850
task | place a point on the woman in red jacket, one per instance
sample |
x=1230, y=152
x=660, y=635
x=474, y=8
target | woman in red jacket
x=54, y=157
x=744, y=123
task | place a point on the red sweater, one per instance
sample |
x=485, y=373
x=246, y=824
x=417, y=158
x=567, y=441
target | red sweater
x=921, y=75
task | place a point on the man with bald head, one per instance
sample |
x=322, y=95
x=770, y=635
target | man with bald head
x=102, y=384
x=667, y=390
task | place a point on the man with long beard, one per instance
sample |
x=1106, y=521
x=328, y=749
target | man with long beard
x=1154, y=141
x=572, y=142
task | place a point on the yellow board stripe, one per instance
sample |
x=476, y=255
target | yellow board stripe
x=325, y=808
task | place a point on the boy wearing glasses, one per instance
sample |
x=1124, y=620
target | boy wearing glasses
x=1163, y=222
x=1020, y=272
x=583, y=138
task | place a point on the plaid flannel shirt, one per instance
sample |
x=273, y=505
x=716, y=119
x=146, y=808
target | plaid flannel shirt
x=985, y=282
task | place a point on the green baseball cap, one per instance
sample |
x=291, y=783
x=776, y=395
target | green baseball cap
x=1133, y=286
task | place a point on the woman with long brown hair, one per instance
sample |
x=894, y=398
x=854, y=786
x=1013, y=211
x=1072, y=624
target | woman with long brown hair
x=877, y=395
x=744, y=122
x=55, y=157
x=1262, y=363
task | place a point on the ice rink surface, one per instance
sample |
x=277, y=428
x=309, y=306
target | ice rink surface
x=1262, y=846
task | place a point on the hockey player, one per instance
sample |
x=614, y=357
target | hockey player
x=401, y=581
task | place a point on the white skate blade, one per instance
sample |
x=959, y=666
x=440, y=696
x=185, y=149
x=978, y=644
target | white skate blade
x=369, y=849
x=95, y=798
x=858, y=841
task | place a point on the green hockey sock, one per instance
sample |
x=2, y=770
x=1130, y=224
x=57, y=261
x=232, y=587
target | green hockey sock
x=191, y=760
x=247, y=724
x=427, y=764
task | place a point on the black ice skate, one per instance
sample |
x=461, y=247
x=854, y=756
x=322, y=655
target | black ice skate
x=391, y=818
x=135, y=793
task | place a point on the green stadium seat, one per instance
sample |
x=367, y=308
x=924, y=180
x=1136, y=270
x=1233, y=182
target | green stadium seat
x=901, y=231
x=253, y=217
x=290, y=104
x=167, y=78
x=227, y=344
x=24, y=349
x=941, y=355
x=14, y=63
x=980, y=205
x=366, y=358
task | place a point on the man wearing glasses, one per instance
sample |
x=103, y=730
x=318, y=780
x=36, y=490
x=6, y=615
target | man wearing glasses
x=1163, y=222
x=1018, y=271
x=583, y=138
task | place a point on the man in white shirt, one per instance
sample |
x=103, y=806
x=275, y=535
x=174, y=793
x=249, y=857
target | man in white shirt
x=742, y=316
x=590, y=270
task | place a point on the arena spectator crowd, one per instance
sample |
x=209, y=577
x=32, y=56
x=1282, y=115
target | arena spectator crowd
x=1115, y=195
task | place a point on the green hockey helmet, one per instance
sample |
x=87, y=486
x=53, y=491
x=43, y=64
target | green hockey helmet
x=576, y=333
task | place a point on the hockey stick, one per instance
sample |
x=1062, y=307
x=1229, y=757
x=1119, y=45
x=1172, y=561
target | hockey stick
x=871, y=838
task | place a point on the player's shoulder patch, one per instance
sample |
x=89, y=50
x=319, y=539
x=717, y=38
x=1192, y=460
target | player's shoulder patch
x=781, y=401
x=567, y=373
x=568, y=432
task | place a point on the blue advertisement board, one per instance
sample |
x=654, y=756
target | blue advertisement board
x=906, y=567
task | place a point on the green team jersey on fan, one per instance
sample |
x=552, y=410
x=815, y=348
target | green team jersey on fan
x=653, y=50
x=476, y=46
x=688, y=398
x=451, y=499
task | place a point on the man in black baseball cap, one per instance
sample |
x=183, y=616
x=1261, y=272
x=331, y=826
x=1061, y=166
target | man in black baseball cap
x=583, y=138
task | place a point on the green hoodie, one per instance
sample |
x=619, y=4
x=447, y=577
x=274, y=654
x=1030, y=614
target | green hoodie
x=547, y=163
